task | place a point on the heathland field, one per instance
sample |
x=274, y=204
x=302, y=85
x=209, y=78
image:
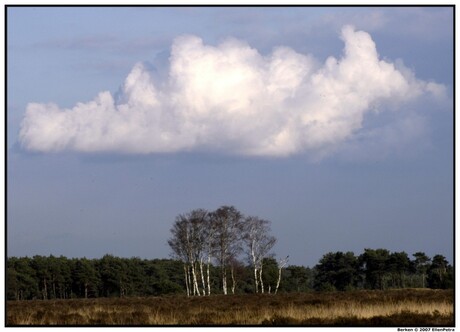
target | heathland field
x=407, y=307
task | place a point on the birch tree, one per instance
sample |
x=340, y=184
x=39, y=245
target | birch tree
x=258, y=242
x=188, y=244
x=203, y=231
x=281, y=263
x=178, y=244
x=209, y=231
x=228, y=228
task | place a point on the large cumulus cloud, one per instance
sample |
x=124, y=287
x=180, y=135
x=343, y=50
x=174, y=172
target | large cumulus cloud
x=232, y=99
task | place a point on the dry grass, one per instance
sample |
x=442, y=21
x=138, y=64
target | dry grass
x=360, y=308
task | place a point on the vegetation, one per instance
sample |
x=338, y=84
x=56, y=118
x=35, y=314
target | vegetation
x=52, y=277
x=380, y=269
x=224, y=273
x=224, y=235
x=406, y=307
x=232, y=239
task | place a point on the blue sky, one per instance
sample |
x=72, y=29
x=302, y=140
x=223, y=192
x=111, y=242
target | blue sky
x=335, y=123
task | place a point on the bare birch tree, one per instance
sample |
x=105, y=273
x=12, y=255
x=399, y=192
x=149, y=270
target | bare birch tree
x=228, y=223
x=204, y=229
x=199, y=235
x=178, y=243
x=209, y=233
x=258, y=242
x=188, y=244
x=281, y=263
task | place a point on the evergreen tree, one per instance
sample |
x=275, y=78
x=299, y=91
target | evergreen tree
x=374, y=265
x=399, y=267
x=440, y=273
x=85, y=278
x=337, y=271
x=421, y=264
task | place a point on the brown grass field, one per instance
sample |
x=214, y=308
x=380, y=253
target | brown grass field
x=408, y=307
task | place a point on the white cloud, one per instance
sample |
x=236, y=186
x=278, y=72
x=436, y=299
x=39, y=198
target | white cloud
x=230, y=98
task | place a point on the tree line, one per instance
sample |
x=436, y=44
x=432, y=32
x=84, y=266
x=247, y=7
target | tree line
x=220, y=252
x=50, y=277
x=382, y=269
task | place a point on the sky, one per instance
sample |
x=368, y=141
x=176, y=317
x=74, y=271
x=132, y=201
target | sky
x=334, y=123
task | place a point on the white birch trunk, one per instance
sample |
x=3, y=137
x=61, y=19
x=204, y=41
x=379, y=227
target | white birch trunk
x=195, y=281
x=281, y=264
x=279, y=280
x=202, y=276
x=207, y=275
x=186, y=279
x=233, y=281
x=254, y=263
x=224, y=280
x=261, y=280
x=256, y=280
